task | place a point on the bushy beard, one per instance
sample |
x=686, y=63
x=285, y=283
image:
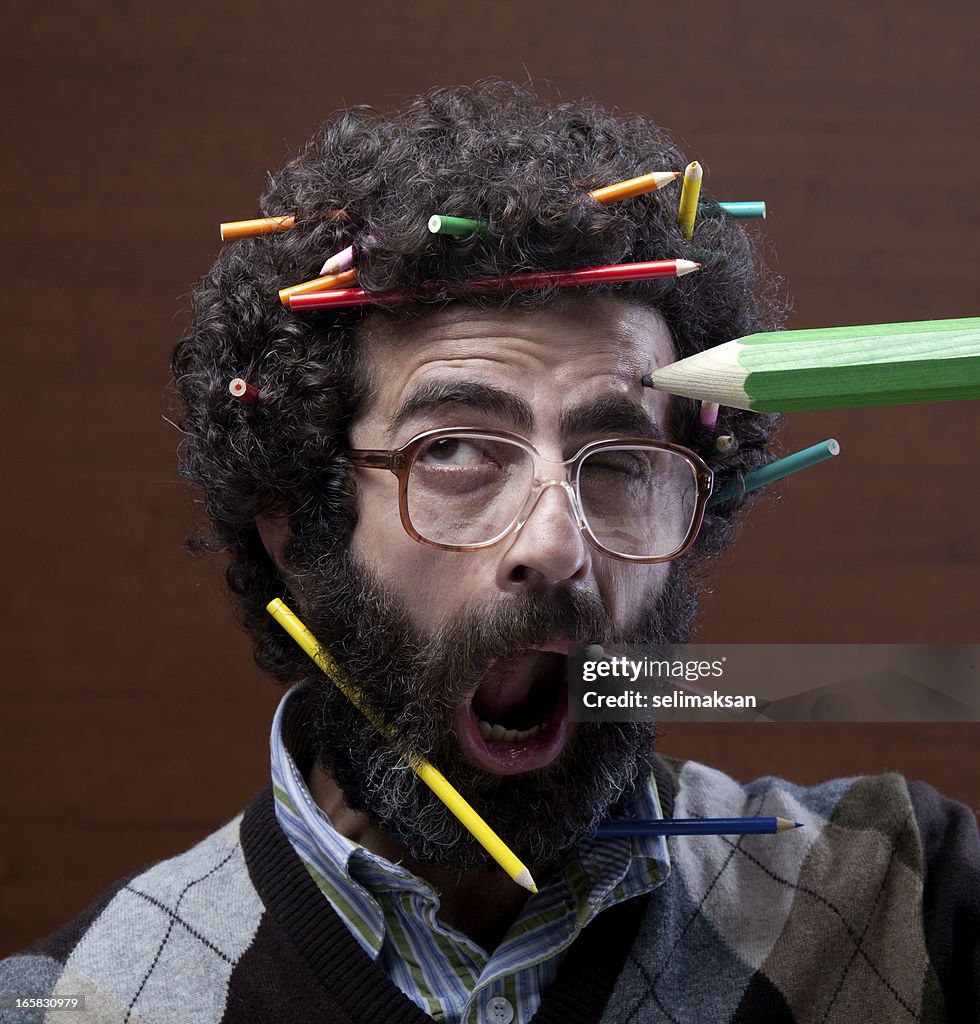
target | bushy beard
x=415, y=682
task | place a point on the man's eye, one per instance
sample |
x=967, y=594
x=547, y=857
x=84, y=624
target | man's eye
x=621, y=463
x=455, y=452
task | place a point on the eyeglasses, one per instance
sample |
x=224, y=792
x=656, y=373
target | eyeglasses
x=462, y=489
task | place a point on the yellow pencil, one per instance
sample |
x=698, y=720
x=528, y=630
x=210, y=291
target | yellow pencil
x=634, y=186
x=690, y=190
x=318, y=284
x=234, y=229
x=430, y=775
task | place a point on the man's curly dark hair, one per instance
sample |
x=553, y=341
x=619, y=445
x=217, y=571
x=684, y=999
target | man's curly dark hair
x=493, y=151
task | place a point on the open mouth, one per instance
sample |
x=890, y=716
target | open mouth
x=516, y=720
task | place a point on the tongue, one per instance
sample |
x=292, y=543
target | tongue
x=511, y=683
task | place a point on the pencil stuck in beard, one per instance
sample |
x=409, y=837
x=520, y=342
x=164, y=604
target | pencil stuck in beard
x=429, y=774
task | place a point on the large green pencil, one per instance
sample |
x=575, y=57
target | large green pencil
x=833, y=367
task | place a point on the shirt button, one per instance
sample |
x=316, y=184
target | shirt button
x=499, y=1011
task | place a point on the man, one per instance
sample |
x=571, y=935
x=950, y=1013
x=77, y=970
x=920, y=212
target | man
x=435, y=485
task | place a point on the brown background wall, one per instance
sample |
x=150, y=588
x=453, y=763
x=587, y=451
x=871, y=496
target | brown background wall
x=133, y=720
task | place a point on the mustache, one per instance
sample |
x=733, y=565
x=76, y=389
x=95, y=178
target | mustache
x=450, y=657
x=484, y=633
x=424, y=676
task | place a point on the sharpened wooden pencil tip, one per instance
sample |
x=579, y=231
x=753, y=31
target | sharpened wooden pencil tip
x=524, y=879
x=687, y=267
x=784, y=824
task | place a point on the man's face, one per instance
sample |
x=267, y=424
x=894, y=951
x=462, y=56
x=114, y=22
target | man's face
x=465, y=650
x=550, y=368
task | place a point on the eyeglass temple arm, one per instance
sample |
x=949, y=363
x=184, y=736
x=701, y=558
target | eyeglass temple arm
x=376, y=458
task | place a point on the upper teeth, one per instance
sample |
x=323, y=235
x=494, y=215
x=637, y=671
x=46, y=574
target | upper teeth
x=498, y=732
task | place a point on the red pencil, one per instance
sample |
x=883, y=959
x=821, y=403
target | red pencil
x=241, y=389
x=614, y=273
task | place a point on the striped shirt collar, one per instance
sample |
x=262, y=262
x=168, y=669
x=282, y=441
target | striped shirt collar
x=589, y=880
x=392, y=913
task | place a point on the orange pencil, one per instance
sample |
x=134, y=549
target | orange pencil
x=235, y=229
x=318, y=284
x=232, y=230
x=634, y=186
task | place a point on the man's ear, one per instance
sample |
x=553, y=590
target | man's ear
x=274, y=531
x=275, y=535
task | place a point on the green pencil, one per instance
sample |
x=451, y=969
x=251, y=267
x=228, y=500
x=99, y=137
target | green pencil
x=439, y=224
x=833, y=367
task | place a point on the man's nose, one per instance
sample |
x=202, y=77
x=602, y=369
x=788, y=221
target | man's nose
x=549, y=546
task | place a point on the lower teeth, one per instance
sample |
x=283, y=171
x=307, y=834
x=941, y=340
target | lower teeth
x=498, y=732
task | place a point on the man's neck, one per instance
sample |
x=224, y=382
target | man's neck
x=481, y=904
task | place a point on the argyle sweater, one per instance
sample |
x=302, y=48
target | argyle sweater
x=869, y=914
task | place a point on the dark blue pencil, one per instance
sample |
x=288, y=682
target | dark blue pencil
x=695, y=826
x=688, y=827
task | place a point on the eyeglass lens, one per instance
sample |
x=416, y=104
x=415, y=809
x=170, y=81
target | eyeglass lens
x=468, y=490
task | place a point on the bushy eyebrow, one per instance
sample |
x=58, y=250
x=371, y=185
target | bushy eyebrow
x=438, y=394
x=612, y=414
x=609, y=414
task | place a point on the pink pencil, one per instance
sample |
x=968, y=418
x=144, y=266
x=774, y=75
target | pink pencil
x=615, y=273
x=708, y=415
x=339, y=262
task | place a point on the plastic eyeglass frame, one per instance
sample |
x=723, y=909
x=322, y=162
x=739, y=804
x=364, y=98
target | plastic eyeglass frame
x=399, y=461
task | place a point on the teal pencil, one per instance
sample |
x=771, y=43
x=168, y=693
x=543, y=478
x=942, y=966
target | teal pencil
x=811, y=456
x=833, y=367
x=745, y=210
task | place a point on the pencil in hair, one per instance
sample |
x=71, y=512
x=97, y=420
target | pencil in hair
x=339, y=262
x=318, y=284
x=615, y=273
x=232, y=230
x=687, y=209
x=440, y=224
x=245, y=392
x=746, y=210
x=777, y=470
x=634, y=186
x=708, y=415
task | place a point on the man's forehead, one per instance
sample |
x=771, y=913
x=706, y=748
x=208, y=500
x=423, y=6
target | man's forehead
x=579, y=345
x=625, y=324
